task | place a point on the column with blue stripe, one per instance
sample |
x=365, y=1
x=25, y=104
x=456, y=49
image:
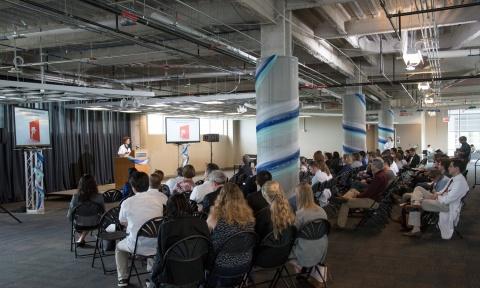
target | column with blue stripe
x=385, y=124
x=276, y=86
x=354, y=121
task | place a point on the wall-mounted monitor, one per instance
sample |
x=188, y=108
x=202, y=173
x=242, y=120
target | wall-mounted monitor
x=182, y=130
x=32, y=127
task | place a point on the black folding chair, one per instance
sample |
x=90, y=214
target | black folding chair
x=112, y=195
x=110, y=217
x=165, y=190
x=85, y=217
x=148, y=230
x=314, y=230
x=273, y=254
x=239, y=243
x=184, y=262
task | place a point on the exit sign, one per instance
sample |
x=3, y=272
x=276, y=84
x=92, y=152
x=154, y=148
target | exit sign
x=445, y=119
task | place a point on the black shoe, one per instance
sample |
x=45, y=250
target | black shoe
x=122, y=283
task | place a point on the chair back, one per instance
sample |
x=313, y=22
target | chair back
x=87, y=215
x=149, y=229
x=240, y=243
x=273, y=252
x=314, y=230
x=110, y=217
x=112, y=195
x=165, y=190
x=185, y=261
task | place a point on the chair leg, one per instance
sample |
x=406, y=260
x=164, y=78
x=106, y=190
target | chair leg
x=95, y=253
x=321, y=276
x=276, y=276
x=458, y=233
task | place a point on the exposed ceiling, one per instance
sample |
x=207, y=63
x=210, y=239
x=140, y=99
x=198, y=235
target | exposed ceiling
x=189, y=53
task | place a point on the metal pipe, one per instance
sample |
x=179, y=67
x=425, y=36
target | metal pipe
x=382, y=4
x=404, y=81
x=431, y=10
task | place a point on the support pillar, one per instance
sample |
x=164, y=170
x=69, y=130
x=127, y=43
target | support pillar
x=354, y=119
x=385, y=125
x=276, y=86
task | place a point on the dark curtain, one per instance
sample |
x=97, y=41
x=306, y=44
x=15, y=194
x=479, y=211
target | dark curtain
x=82, y=142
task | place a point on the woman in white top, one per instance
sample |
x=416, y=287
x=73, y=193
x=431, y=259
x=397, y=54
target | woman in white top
x=124, y=150
x=322, y=174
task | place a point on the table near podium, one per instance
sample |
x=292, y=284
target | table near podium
x=121, y=165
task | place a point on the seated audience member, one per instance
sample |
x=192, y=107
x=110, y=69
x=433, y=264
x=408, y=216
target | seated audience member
x=155, y=188
x=318, y=156
x=439, y=182
x=328, y=158
x=322, y=174
x=207, y=187
x=364, y=158
x=230, y=215
x=246, y=168
x=218, y=179
x=336, y=163
x=320, y=171
x=414, y=158
x=179, y=224
x=127, y=188
x=357, y=160
x=186, y=184
x=308, y=253
x=347, y=164
x=304, y=175
x=134, y=212
x=172, y=182
x=277, y=216
x=160, y=174
x=369, y=198
x=399, y=161
x=256, y=201
x=387, y=164
x=87, y=191
x=448, y=202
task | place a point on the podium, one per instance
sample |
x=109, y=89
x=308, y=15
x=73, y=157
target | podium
x=122, y=164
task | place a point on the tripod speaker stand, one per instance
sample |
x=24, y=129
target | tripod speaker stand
x=9, y=213
x=211, y=138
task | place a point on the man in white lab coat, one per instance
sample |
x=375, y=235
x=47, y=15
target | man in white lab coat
x=447, y=202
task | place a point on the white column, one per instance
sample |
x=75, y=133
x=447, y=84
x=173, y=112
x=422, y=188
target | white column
x=385, y=124
x=276, y=85
x=354, y=119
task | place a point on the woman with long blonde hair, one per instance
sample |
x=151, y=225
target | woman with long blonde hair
x=276, y=217
x=230, y=215
x=308, y=252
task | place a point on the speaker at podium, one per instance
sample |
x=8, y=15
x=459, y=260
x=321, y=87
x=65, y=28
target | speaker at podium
x=138, y=159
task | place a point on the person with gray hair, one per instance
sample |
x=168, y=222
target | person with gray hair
x=206, y=187
x=218, y=178
x=367, y=199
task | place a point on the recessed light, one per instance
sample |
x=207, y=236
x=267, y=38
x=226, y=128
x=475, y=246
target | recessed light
x=189, y=108
x=158, y=105
x=210, y=102
x=213, y=111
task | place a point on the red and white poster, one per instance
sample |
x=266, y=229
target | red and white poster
x=34, y=129
x=185, y=132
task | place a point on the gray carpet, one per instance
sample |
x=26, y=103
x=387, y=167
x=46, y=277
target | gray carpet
x=36, y=254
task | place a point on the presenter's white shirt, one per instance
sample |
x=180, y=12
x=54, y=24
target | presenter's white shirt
x=137, y=210
x=123, y=150
x=199, y=192
x=388, y=145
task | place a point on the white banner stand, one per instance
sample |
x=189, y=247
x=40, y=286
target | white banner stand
x=34, y=186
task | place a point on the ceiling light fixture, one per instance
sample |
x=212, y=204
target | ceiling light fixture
x=241, y=109
x=422, y=86
x=210, y=102
x=428, y=100
x=189, y=108
x=213, y=111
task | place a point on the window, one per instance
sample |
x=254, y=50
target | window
x=213, y=126
x=463, y=123
x=155, y=124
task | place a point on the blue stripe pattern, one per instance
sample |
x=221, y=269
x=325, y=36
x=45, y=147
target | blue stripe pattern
x=361, y=98
x=354, y=129
x=278, y=119
x=382, y=141
x=349, y=150
x=386, y=129
x=279, y=163
x=263, y=70
x=391, y=112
